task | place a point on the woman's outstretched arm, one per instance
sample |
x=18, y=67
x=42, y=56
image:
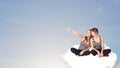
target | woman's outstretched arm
x=76, y=33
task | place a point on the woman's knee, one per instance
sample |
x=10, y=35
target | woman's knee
x=93, y=52
x=72, y=49
x=109, y=50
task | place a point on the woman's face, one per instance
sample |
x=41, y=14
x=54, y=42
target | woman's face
x=93, y=33
x=88, y=33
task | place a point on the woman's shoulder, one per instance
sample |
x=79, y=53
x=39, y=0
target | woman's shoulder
x=101, y=37
x=83, y=38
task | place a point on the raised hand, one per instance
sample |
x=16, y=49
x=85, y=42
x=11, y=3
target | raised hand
x=69, y=30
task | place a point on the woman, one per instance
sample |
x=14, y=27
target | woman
x=97, y=44
x=84, y=45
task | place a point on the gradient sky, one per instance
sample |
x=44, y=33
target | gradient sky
x=33, y=33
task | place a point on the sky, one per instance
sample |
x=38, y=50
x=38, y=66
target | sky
x=33, y=33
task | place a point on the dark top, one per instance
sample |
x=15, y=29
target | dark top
x=83, y=45
x=96, y=44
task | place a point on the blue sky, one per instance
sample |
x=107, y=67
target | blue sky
x=35, y=30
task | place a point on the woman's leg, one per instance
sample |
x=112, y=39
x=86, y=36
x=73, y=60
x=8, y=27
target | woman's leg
x=86, y=53
x=106, y=52
x=75, y=51
x=94, y=52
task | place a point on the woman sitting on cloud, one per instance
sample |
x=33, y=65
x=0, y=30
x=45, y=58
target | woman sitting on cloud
x=84, y=45
x=97, y=44
x=90, y=46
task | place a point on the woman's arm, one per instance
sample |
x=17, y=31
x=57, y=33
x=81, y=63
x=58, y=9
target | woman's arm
x=84, y=50
x=102, y=43
x=76, y=33
x=93, y=47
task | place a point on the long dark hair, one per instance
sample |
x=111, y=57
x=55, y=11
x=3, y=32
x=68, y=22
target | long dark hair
x=87, y=38
x=94, y=30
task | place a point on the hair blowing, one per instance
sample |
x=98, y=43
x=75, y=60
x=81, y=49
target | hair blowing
x=95, y=30
x=88, y=38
